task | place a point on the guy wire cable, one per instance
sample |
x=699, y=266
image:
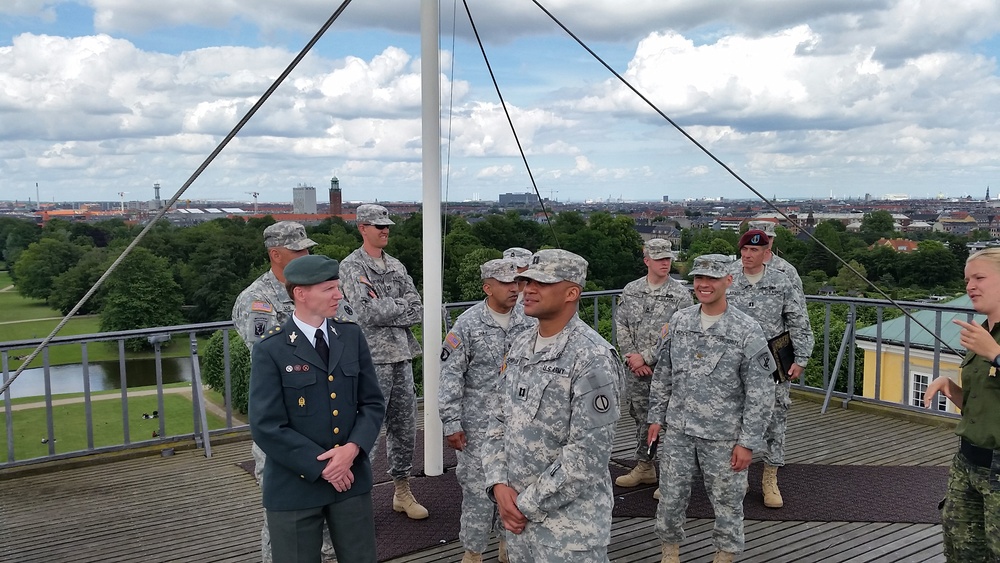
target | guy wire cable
x=737, y=176
x=510, y=121
x=194, y=176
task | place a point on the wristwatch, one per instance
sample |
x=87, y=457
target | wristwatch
x=996, y=362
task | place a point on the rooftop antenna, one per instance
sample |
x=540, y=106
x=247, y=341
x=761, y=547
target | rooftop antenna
x=254, y=194
x=122, y=196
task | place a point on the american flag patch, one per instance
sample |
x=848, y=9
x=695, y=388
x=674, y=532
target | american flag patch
x=452, y=340
x=261, y=306
x=664, y=329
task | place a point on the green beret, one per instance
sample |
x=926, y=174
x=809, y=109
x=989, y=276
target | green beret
x=312, y=269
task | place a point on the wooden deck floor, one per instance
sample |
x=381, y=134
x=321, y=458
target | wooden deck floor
x=189, y=508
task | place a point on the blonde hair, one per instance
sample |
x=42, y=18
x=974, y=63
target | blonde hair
x=991, y=254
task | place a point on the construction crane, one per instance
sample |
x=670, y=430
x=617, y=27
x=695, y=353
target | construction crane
x=122, y=196
x=254, y=194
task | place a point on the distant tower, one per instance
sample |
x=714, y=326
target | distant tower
x=156, y=197
x=336, y=198
x=304, y=200
x=987, y=193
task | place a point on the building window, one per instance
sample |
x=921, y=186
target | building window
x=920, y=383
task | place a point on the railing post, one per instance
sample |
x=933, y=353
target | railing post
x=852, y=319
x=7, y=408
x=126, y=433
x=840, y=357
x=198, y=398
x=226, y=360
x=87, y=407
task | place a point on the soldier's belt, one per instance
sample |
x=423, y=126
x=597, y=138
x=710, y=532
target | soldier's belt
x=980, y=457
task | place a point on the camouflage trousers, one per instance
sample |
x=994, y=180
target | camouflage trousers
x=774, y=436
x=638, y=408
x=478, y=511
x=970, y=517
x=396, y=381
x=679, y=457
x=521, y=548
x=259, y=459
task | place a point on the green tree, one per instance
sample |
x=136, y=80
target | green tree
x=15, y=236
x=70, y=286
x=141, y=293
x=846, y=280
x=876, y=225
x=214, y=368
x=469, y=280
x=38, y=266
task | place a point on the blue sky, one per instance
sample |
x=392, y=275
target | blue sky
x=802, y=99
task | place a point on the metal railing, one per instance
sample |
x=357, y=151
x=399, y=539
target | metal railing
x=842, y=363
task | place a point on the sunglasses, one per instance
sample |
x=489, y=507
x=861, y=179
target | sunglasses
x=379, y=227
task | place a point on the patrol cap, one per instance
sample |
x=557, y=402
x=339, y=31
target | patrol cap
x=658, y=249
x=312, y=269
x=766, y=226
x=554, y=265
x=754, y=237
x=519, y=255
x=371, y=214
x=501, y=269
x=287, y=234
x=711, y=265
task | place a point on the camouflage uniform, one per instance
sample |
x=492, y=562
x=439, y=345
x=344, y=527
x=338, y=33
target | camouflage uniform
x=263, y=305
x=970, y=515
x=642, y=312
x=471, y=356
x=552, y=437
x=777, y=262
x=777, y=305
x=386, y=320
x=711, y=391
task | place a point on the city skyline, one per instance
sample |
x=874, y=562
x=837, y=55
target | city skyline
x=99, y=97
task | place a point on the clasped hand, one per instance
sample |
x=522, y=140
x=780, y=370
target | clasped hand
x=338, y=466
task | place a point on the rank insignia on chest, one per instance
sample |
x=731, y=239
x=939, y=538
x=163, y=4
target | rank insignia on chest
x=699, y=355
x=522, y=393
x=302, y=401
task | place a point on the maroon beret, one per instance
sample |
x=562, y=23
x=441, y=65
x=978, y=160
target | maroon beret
x=753, y=237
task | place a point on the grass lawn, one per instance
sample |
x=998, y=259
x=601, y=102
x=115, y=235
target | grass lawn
x=15, y=307
x=71, y=424
x=5, y=279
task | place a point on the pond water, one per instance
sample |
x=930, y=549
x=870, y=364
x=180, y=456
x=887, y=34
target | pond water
x=103, y=376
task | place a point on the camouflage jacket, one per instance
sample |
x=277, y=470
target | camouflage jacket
x=777, y=305
x=386, y=303
x=642, y=312
x=471, y=356
x=263, y=305
x=714, y=384
x=552, y=436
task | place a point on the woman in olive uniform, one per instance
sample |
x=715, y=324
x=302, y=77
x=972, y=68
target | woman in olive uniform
x=970, y=515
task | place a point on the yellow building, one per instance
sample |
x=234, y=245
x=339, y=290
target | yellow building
x=900, y=370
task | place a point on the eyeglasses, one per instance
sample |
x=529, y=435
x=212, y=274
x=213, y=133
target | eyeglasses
x=379, y=227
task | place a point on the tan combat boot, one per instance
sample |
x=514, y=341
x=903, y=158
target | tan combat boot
x=403, y=501
x=502, y=551
x=472, y=557
x=643, y=474
x=671, y=553
x=723, y=557
x=772, y=496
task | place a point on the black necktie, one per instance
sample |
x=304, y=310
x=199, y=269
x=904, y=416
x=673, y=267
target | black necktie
x=321, y=347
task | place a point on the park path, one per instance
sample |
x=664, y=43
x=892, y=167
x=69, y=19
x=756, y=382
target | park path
x=43, y=319
x=186, y=391
x=8, y=288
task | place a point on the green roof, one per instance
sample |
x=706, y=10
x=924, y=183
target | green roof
x=893, y=331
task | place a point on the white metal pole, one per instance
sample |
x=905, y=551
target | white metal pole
x=433, y=292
